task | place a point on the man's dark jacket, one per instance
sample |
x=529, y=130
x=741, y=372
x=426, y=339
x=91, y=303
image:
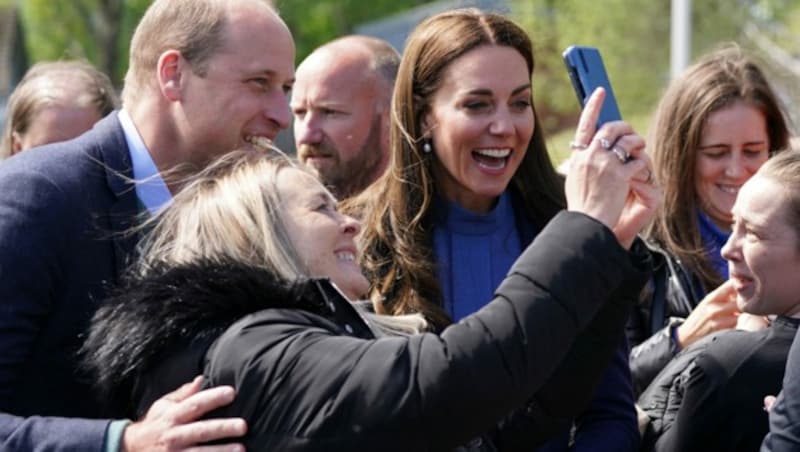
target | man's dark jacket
x=63, y=211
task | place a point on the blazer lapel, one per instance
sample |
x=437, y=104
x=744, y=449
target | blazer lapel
x=124, y=211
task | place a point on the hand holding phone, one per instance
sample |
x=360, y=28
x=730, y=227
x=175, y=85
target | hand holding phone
x=587, y=72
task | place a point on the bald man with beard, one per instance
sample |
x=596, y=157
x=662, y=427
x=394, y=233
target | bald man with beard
x=340, y=103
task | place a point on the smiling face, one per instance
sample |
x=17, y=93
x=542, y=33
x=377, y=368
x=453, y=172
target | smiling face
x=763, y=252
x=734, y=144
x=480, y=123
x=340, y=118
x=243, y=93
x=322, y=237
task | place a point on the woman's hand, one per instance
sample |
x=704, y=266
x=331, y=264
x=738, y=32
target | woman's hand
x=716, y=312
x=610, y=175
x=769, y=402
x=751, y=322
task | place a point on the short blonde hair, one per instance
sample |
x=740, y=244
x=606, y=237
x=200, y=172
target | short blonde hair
x=195, y=28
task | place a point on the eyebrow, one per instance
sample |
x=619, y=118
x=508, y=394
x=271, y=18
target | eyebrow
x=271, y=73
x=324, y=196
x=488, y=92
x=338, y=106
x=755, y=223
x=725, y=145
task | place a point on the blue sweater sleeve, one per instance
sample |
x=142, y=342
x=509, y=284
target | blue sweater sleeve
x=609, y=423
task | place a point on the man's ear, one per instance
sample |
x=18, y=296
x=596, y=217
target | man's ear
x=171, y=66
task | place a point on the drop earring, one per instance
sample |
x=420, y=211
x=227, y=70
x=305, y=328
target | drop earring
x=426, y=147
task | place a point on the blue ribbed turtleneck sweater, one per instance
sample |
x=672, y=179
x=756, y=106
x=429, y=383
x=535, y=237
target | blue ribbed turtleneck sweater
x=474, y=253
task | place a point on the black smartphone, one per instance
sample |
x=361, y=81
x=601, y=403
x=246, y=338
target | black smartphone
x=587, y=73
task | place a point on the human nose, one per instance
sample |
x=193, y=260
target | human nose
x=350, y=225
x=736, y=166
x=276, y=109
x=306, y=129
x=502, y=123
x=730, y=251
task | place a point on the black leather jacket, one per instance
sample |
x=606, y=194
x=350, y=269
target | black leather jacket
x=665, y=302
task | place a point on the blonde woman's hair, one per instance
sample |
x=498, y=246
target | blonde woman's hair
x=232, y=211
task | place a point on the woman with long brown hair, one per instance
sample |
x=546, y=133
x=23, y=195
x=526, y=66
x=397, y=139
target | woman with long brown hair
x=471, y=184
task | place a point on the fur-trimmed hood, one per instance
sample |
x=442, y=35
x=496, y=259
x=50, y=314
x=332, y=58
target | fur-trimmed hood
x=175, y=308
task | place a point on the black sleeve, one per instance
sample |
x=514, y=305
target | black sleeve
x=695, y=416
x=571, y=387
x=651, y=356
x=664, y=304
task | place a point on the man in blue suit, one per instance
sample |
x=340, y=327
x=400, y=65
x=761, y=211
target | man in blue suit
x=205, y=77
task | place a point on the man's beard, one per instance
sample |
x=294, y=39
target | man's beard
x=348, y=178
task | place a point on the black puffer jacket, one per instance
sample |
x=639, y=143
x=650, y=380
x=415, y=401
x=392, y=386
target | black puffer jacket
x=710, y=397
x=667, y=299
x=310, y=375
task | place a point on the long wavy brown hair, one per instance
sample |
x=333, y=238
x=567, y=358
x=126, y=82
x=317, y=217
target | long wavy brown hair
x=397, y=238
x=716, y=81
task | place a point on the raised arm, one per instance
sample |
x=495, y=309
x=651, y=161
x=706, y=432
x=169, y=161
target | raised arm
x=303, y=379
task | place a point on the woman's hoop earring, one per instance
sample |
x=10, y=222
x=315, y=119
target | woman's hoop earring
x=426, y=147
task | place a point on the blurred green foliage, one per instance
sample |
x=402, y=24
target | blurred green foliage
x=96, y=30
x=314, y=22
x=100, y=30
x=634, y=37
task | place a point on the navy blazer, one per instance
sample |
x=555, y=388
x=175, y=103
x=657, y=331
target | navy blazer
x=65, y=209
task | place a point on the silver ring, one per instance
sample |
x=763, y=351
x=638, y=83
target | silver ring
x=577, y=146
x=605, y=143
x=621, y=154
